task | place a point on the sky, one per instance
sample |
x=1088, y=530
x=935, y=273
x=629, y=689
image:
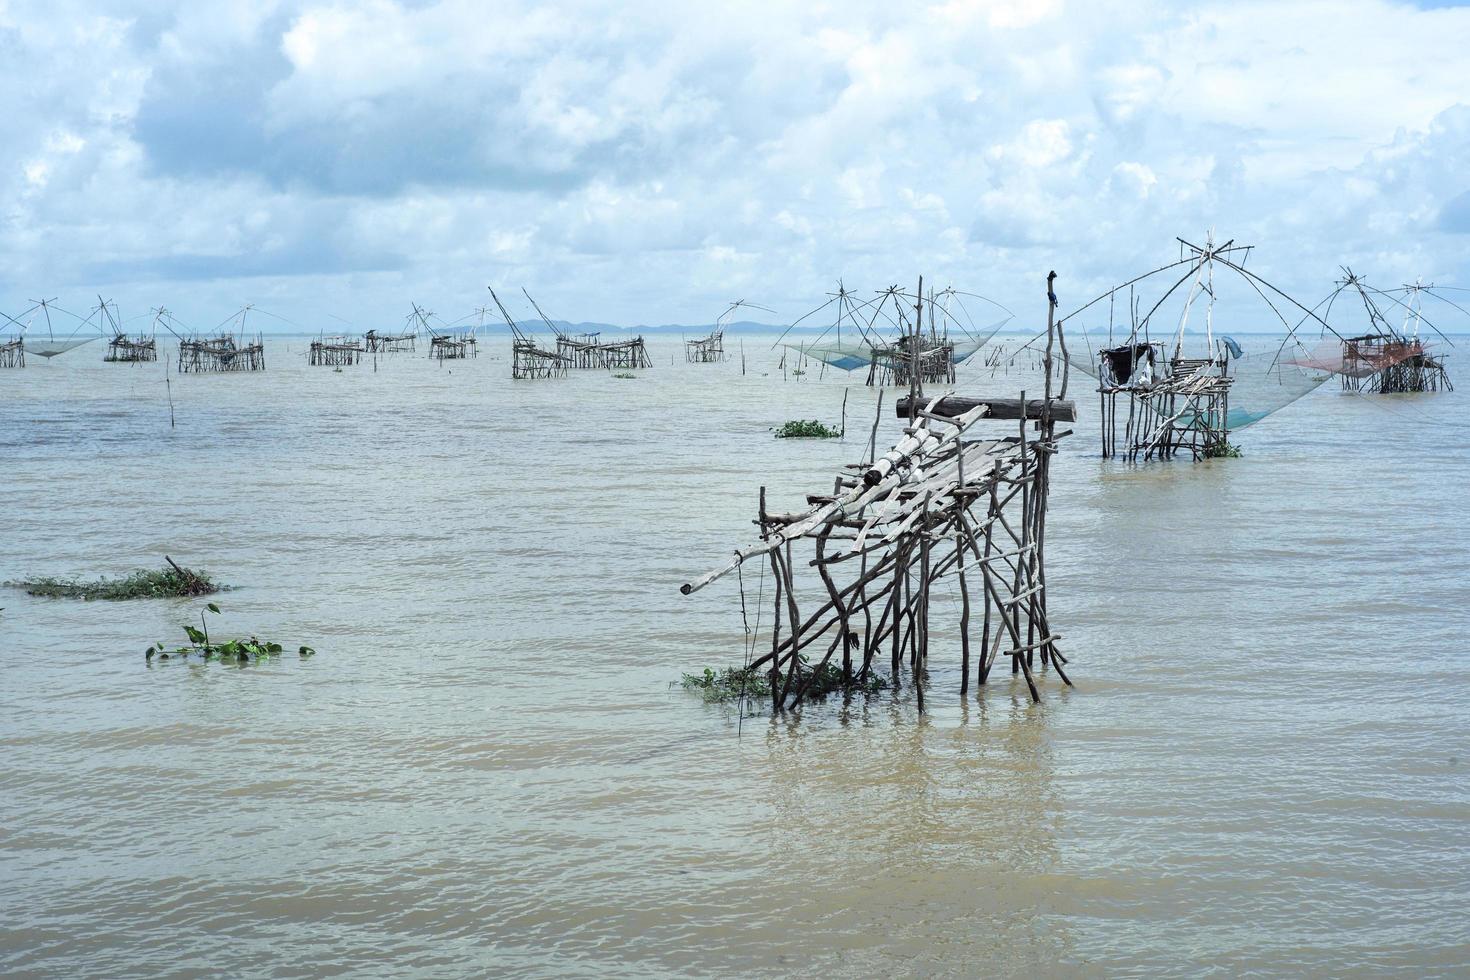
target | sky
x=647, y=163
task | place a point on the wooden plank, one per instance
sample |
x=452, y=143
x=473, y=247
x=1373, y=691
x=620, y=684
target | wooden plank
x=951, y=406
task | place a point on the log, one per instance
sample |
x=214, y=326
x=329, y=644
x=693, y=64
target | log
x=951, y=406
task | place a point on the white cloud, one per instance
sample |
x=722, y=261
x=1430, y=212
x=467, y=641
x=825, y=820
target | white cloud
x=351, y=155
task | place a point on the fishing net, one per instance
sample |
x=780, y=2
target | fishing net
x=1267, y=377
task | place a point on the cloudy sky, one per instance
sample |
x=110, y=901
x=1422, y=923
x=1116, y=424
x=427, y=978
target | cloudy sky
x=645, y=163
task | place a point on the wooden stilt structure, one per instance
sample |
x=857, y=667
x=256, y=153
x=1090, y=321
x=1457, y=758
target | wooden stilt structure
x=125, y=348
x=228, y=350
x=528, y=361
x=132, y=350
x=711, y=349
x=444, y=345
x=1380, y=364
x=1154, y=401
x=706, y=350
x=1391, y=359
x=1184, y=410
x=222, y=353
x=930, y=358
x=335, y=352
x=945, y=502
x=12, y=352
x=588, y=350
x=389, y=343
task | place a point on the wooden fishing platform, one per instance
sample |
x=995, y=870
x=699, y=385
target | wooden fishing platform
x=706, y=350
x=13, y=353
x=221, y=353
x=892, y=364
x=1386, y=364
x=586, y=351
x=387, y=343
x=452, y=347
x=1186, y=410
x=528, y=361
x=335, y=352
x=946, y=502
x=131, y=350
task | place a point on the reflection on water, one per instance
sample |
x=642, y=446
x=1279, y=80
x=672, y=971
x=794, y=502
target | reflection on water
x=485, y=768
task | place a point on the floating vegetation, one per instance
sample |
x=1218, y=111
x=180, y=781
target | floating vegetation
x=734, y=684
x=807, y=429
x=251, y=650
x=1223, y=450
x=168, y=583
x=625, y=375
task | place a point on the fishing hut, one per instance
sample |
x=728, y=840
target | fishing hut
x=528, y=360
x=335, y=352
x=1166, y=398
x=1391, y=358
x=1175, y=406
x=1380, y=364
x=220, y=353
x=959, y=501
x=375, y=342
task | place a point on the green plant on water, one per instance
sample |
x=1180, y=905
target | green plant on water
x=807, y=429
x=249, y=650
x=731, y=684
x=1223, y=450
x=797, y=372
x=625, y=375
x=166, y=583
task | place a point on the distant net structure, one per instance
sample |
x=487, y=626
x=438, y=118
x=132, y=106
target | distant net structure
x=448, y=342
x=28, y=338
x=528, y=360
x=338, y=351
x=124, y=347
x=710, y=349
x=589, y=350
x=586, y=351
x=898, y=335
x=1388, y=357
x=856, y=575
x=200, y=353
x=1387, y=365
x=706, y=350
x=226, y=350
x=1182, y=393
x=378, y=342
